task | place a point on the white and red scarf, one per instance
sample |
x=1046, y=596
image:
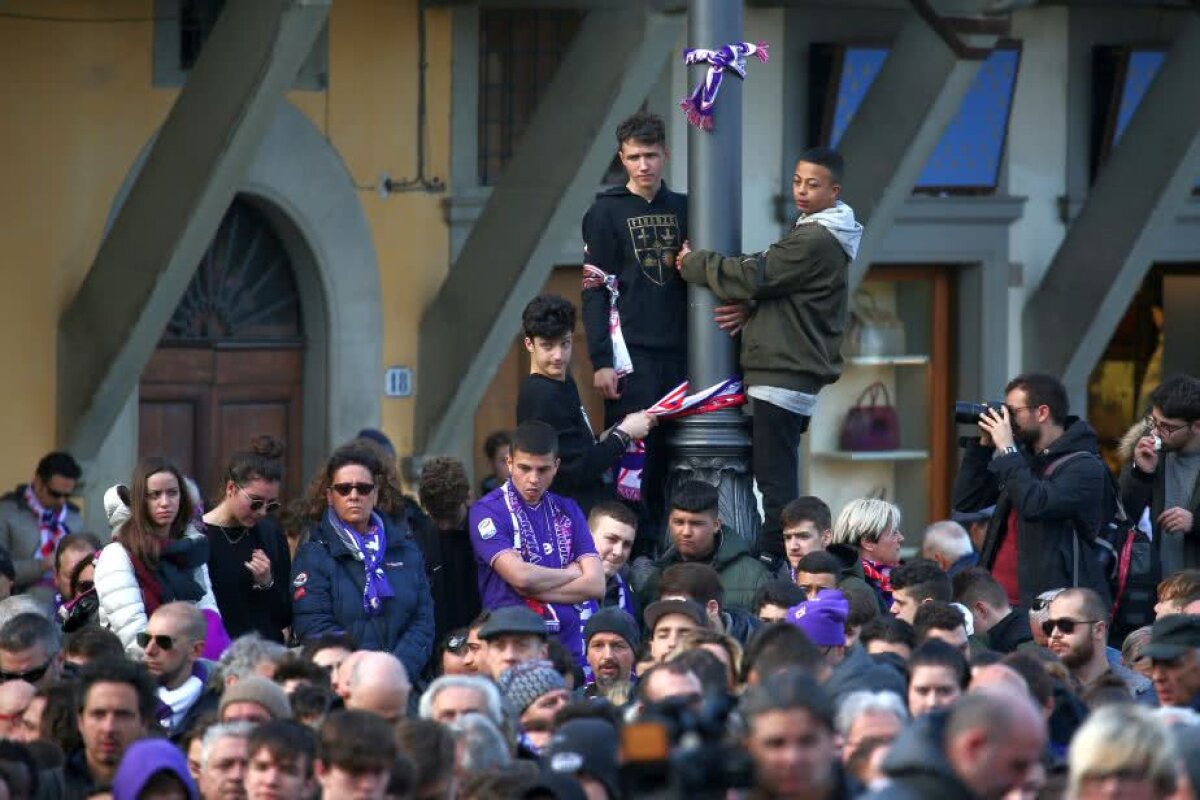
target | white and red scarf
x=594, y=278
x=674, y=404
x=52, y=525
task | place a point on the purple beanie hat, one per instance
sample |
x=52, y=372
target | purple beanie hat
x=823, y=618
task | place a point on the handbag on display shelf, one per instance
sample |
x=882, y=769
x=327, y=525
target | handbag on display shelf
x=871, y=425
x=873, y=330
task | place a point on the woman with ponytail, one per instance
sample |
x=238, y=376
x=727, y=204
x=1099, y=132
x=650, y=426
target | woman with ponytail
x=156, y=557
x=248, y=556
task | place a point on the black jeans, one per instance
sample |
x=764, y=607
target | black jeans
x=654, y=375
x=776, y=439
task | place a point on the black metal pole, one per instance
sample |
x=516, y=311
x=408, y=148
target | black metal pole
x=716, y=447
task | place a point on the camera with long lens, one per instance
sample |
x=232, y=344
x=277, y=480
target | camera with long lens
x=681, y=749
x=969, y=413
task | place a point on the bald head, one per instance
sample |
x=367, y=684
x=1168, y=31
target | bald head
x=998, y=679
x=341, y=676
x=945, y=542
x=378, y=683
x=185, y=619
x=993, y=738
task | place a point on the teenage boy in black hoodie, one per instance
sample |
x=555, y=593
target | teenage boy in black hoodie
x=632, y=235
x=549, y=395
x=792, y=341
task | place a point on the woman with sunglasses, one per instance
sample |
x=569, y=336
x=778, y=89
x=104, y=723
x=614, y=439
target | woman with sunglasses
x=157, y=556
x=362, y=572
x=248, y=557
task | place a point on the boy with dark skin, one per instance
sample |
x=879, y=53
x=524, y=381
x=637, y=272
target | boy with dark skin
x=791, y=341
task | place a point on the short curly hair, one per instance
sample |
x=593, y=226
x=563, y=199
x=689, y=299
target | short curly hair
x=548, y=316
x=443, y=488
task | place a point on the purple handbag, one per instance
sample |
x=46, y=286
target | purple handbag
x=871, y=426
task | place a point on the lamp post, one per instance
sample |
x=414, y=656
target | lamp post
x=715, y=447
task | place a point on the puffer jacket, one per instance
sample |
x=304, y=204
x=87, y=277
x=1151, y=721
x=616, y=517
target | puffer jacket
x=327, y=597
x=741, y=573
x=20, y=535
x=122, y=609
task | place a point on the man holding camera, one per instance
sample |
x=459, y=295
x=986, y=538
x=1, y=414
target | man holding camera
x=1041, y=469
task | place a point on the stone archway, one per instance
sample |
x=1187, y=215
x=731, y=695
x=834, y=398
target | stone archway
x=299, y=182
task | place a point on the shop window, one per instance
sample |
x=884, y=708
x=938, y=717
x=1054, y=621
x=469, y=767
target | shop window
x=519, y=53
x=182, y=28
x=967, y=158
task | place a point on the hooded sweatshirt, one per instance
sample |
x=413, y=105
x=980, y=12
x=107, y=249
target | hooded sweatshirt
x=142, y=761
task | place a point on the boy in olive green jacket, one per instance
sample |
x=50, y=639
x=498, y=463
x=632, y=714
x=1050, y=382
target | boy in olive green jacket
x=796, y=295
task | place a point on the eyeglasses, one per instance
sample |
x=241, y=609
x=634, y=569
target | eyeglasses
x=57, y=495
x=163, y=641
x=1065, y=625
x=29, y=676
x=1153, y=424
x=344, y=489
x=257, y=503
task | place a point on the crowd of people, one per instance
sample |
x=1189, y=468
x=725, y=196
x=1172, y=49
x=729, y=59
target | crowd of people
x=553, y=636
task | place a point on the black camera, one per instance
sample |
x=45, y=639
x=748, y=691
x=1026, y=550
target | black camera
x=969, y=413
x=680, y=750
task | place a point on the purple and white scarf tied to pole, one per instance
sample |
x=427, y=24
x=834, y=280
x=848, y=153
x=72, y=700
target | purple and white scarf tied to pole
x=594, y=278
x=368, y=548
x=698, y=106
x=673, y=405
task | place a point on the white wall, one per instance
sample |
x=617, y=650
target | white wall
x=1037, y=154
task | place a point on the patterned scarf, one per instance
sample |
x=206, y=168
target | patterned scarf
x=594, y=278
x=368, y=548
x=52, y=525
x=698, y=106
x=880, y=578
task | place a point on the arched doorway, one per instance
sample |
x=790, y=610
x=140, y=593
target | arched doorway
x=230, y=365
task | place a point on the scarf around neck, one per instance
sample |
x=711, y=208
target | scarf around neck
x=880, y=578
x=52, y=525
x=174, y=576
x=368, y=548
x=839, y=220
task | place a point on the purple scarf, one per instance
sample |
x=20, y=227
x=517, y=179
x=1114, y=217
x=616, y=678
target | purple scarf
x=698, y=106
x=368, y=548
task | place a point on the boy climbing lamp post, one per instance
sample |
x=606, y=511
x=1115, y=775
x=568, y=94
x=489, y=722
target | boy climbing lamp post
x=715, y=447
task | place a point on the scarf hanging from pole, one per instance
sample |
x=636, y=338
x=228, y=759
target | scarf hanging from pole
x=675, y=404
x=594, y=278
x=698, y=106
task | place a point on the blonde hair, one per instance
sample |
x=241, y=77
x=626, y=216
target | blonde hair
x=866, y=518
x=1121, y=738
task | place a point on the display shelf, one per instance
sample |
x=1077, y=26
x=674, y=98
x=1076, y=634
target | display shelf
x=878, y=455
x=914, y=360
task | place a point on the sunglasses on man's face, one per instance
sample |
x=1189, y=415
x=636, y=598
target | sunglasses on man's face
x=57, y=495
x=29, y=676
x=163, y=641
x=1067, y=626
x=344, y=489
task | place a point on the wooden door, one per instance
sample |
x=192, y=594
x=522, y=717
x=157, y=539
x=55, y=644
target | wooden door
x=230, y=366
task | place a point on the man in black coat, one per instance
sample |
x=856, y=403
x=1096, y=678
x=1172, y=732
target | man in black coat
x=1041, y=469
x=445, y=495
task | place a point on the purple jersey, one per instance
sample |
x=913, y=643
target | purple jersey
x=553, y=534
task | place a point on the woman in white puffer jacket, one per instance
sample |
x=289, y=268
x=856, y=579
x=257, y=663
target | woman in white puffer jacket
x=156, y=555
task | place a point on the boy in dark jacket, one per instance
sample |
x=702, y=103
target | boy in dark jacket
x=792, y=339
x=549, y=395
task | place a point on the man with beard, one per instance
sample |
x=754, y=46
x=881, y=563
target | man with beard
x=1078, y=629
x=612, y=641
x=1164, y=473
x=117, y=703
x=1041, y=469
x=171, y=646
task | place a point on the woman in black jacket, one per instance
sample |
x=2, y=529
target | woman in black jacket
x=248, y=557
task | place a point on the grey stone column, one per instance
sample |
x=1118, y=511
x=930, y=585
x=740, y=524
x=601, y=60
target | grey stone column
x=715, y=447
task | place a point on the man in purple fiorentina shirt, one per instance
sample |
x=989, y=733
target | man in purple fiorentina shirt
x=533, y=547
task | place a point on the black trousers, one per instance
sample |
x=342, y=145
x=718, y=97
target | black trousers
x=776, y=440
x=654, y=374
